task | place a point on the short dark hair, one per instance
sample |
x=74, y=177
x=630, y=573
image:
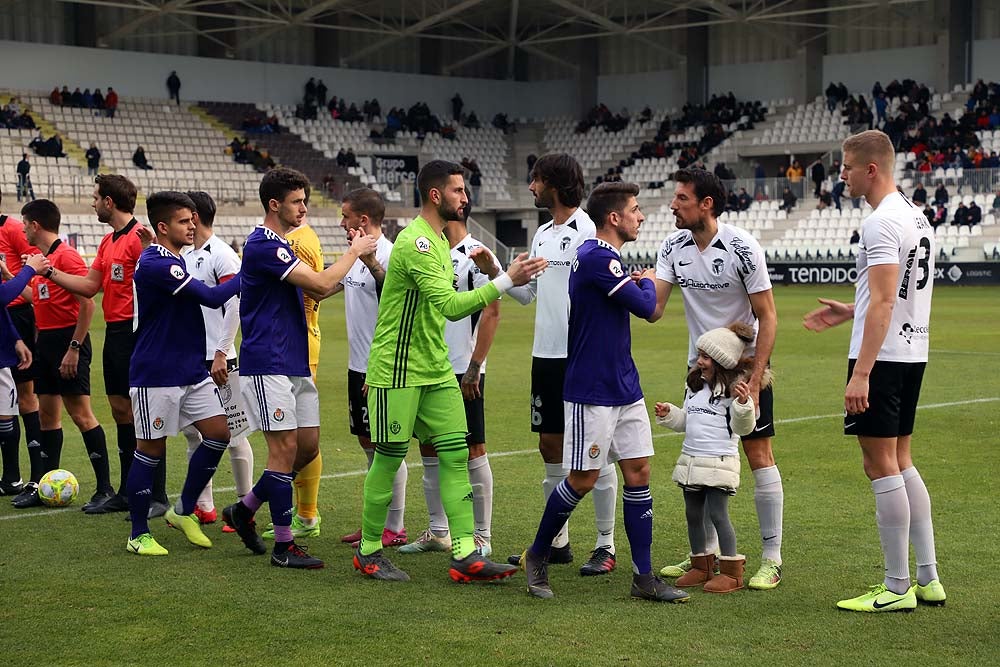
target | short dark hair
x=121, y=190
x=204, y=206
x=607, y=198
x=160, y=205
x=706, y=184
x=563, y=173
x=435, y=174
x=44, y=212
x=366, y=201
x=278, y=182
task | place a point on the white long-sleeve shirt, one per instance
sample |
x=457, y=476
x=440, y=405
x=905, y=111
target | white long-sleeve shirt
x=712, y=423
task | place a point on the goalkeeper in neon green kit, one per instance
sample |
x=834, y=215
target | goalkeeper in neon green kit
x=412, y=387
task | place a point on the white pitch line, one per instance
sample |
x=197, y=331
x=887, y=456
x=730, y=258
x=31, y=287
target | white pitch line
x=990, y=354
x=521, y=452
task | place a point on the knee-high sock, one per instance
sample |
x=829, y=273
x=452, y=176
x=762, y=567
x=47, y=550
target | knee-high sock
x=456, y=493
x=140, y=490
x=696, y=514
x=126, y=451
x=432, y=494
x=241, y=459
x=206, y=500
x=33, y=440
x=769, y=498
x=378, y=494
x=561, y=503
x=637, y=508
x=275, y=488
x=307, y=487
x=97, y=449
x=892, y=514
x=605, y=496
x=397, y=507
x=481, y=478
x=921, y=526
x=52, y=442
x=717, y=504
x=201, y=467
x=554, y=474
x=10, y=443
x=160, y=483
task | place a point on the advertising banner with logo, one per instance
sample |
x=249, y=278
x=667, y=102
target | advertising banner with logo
x=945, y=273
x=394, y=169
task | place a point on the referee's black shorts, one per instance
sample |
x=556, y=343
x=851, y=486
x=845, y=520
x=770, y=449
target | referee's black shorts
x=52, y=347
x=119, y=340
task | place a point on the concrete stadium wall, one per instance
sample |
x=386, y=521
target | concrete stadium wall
x=660, y=90
x=986, y=59
x=859, y=71
x=763, y=81
x=42, y=66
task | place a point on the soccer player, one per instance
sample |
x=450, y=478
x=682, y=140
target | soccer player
x=63, y=353
x=469, y=341
x=886, y=361
x=557, y=185
x=213, y=262
x=413, y=390
x=606, y=416
x=278, y=390
x=111, y=272
x=13, y=245
x=722, y=274
x=170, y=386
x=363, y=210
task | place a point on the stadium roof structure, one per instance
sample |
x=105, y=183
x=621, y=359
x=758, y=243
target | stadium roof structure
x=534, y=26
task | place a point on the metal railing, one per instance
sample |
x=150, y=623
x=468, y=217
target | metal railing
x=967, y=181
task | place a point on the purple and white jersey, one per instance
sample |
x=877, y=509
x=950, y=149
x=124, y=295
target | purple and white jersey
x=599, y=368
x=272, y=316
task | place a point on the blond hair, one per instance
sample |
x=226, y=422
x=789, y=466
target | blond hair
x=871, y=146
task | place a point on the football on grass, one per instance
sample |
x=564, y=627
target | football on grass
x=58, y=488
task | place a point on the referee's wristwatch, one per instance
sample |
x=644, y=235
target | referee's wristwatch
x=74, y=345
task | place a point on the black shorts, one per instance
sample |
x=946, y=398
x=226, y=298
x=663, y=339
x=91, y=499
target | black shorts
x=547, y=377
x=764, y=428
x=118, y=343
x=357, y=404
x=893, y=392
x=23, y=316
x=475, y=416
x=52, y=347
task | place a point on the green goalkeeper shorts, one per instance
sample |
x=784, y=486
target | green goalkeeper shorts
x=425, y=413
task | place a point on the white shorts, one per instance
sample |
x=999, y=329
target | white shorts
x=8, y=393
x=163, y=411
x=280, y=402
x=597, y=435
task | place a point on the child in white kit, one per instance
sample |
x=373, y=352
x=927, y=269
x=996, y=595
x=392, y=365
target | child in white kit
x=717, y=410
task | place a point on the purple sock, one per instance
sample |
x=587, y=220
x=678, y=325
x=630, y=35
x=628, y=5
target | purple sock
x=283, y=534
x=140, y=491
x=251, y=501
x=562, y=501
x=279, y=498
x=201, y=467
x=637, y=506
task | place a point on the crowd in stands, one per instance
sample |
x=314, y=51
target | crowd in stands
x=347, y=159
x=86, y=100
x=258, y=122
x=244, y=152
x=13, y=117
x=51, y=147
x=601, y=116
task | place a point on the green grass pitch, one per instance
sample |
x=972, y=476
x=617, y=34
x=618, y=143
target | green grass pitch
x=73, y=596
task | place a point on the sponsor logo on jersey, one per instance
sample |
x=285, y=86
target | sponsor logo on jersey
x=615, y=267
x=284, y=256
x=197, y=264
x=423, y=244
x=557, y=262
x=909, y=332
x=118, y=273
x=685, y=262
x=698, y=284
x=566, y=240
x=351, y=282
x=158, y=423
x=177, y=272
x=744, y=254
x=702, y=411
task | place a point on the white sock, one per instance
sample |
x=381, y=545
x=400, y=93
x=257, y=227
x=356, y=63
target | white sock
x=555, y=473
x=370, y=454
x=432, y=493
x=711, y=534
x=605, y=495
x=769, y=497
x=921, y=527
x=394, y=519
x=205, y=501
x=481, y=478
x=241, y=458
x=892, y=514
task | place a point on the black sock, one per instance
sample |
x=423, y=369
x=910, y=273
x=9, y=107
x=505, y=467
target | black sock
x=10, y=441
x=52, y=442
x=97, y=450
x=126, y=452
x=33, y=439
x=160, y=482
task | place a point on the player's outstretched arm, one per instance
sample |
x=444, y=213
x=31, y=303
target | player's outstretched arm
x=16, y=285
x=212, y=297
x=86, y=286
x=833, y=313
x=324, y=283
x=662, y=295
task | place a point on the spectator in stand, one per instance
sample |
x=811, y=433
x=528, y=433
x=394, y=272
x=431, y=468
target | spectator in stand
x=744, y=200
x=996, y=203
x=855, y=237
x=111, y=102
x=929, y=214
x=817, y=173
x=788, y=199
x=825, y=199
x=975, y=214
x=76, y=99
x=919, y=194
x=501, y=123
x=794, y=174
x=352, y=160
x=961, y=215
x=174, y=87
x=732, y=202
x=759, y=174
x=98, y=99
x=341, y=158
x=723, y=173
x=88, y=99
x=940, y=215
x=139, y=159
x=472, y=121
x=532, y=159
x=66, y=96
x=456, y=107
x=93, y=159
x=837, y=192
x=476, y=183
x=941, y=195
x=831, y=97
x=55, y=97
x=24, y=188
x=321, y=92
x=881, y=104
